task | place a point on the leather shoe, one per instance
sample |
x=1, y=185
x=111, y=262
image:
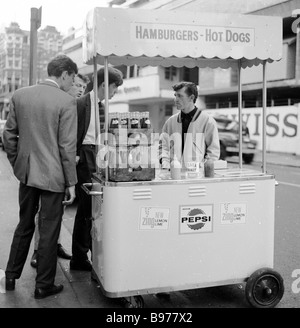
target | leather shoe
x=81, y=266
x=62, y=253
x=45, y=292
x=10, y=283
x=33, y=261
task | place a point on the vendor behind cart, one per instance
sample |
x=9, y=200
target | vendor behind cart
x=191, y=134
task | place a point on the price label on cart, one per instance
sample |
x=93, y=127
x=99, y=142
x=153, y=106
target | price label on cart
x=154, y=218
x=232, y=213
x=196, y=219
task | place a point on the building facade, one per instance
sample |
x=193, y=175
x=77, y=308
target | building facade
x=15, y=59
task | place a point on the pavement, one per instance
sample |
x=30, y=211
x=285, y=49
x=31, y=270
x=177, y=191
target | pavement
x=276, y=158
x=80, y=291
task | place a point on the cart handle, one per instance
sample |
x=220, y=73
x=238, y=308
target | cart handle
x=85, y=186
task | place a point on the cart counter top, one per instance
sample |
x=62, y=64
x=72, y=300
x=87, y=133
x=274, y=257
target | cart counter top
x=164, y=177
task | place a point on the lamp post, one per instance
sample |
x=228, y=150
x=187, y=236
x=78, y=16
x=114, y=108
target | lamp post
x=35, y=23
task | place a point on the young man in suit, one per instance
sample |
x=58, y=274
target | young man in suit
x=77, y=90
x=86, y=166
x=79, y=86
x=40, y=142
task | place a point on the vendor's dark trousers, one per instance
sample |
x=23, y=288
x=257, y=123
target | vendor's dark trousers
x=81, y=238
x=50, y=219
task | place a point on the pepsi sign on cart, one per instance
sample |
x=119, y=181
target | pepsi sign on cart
x=196, y=219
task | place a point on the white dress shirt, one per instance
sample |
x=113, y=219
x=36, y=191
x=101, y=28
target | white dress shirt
x=90, y=137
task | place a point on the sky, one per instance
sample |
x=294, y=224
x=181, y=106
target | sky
x=63, y=14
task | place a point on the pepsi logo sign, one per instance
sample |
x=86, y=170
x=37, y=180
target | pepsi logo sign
x=194, y=219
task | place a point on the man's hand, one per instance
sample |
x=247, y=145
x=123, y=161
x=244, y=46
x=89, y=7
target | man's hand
x=69, y=195
x=77, y=159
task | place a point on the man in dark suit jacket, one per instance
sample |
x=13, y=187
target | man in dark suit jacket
x=86, y=166
x=40, y=142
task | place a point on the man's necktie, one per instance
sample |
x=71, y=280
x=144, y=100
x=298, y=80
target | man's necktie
x=101, y=115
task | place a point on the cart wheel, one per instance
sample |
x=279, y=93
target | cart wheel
x=264, y=288
x=136, y=302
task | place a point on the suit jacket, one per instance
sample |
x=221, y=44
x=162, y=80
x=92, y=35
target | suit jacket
x=40, y=137
x=84, y=118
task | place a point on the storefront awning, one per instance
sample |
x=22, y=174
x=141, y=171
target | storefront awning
x=178, y=38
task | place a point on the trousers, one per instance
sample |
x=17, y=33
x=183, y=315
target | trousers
x=50, y=218
x=81, y=238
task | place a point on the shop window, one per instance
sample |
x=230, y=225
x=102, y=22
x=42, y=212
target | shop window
x=9, y=84
x=17, y=83
x=191, y=74
x=168, y=110
x=133, y=71
x=170, y=73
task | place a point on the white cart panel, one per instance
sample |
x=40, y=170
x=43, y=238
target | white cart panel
x=175, y=236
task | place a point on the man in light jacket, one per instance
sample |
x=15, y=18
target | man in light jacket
x=40, y=142
x=191, y=134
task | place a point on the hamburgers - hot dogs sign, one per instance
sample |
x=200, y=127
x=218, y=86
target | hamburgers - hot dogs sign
x=180, y=38
x=192, y=34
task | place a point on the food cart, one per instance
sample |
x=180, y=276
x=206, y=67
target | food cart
x=159, y=234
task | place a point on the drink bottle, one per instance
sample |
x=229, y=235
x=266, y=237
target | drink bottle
x=124, y=120
x=147, y=123
x=114, y=120
x=209, y=170
x=175, y=169
x=134, y=122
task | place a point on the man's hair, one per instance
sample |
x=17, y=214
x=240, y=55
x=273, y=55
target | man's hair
x=114, y=76
x=59, y=64
x=84, y=78
x=190, y=88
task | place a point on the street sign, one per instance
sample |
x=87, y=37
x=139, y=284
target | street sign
x=39, y=18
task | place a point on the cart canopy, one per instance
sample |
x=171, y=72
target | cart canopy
x=180, y=38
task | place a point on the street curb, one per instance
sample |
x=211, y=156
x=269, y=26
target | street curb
x=278, y=164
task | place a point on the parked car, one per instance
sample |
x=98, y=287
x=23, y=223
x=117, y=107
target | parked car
x=229, y=139
x=2, y=123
